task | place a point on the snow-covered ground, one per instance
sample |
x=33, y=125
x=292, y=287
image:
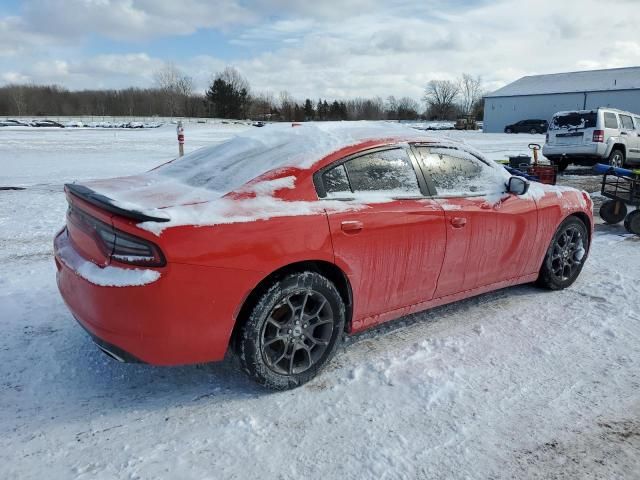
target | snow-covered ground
x=520, y=383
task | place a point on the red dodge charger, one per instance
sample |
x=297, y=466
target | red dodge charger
x=277, y=242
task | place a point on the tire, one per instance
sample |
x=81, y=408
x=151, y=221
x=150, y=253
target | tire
x=565, y=256
x=533, y=131
x=562, y=164
x=613, y=211
x=278, y=346
x=508, y=130
x=632, y=222
x=616, y=158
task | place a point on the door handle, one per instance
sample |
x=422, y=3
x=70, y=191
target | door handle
x=351, y=226
x=624, y=133
x=458, y=222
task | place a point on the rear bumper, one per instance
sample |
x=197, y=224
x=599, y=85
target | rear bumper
x=587, y=151
x=185, y=316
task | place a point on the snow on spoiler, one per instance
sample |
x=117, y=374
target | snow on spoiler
x=110, y=205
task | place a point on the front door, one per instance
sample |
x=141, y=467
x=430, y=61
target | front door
x=489, y=232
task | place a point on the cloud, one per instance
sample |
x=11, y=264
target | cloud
x=330, y=48
x=129, y=19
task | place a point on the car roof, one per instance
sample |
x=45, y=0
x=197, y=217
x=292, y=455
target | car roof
x=227, y=166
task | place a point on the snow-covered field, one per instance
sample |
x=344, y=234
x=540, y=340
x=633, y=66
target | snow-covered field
x=520, y=383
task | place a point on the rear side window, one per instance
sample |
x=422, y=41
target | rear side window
x=636, y=120
x=457, y=173
x=626, y=121
x=610, y=120
x=573, y=120
x=336, y=181
x=387, y=171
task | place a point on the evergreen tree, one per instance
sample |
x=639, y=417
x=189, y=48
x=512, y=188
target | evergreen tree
x=309, y=113
x=228, y=95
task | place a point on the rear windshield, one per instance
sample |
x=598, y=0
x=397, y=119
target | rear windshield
x=573, y=120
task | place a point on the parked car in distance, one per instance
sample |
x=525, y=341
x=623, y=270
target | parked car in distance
x=277, y=242
x=587, y=137
x=532, y=126
x=10, y=122
x=47, y=123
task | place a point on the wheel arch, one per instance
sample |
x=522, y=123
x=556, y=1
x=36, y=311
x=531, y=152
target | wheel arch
x=585, y=219
x=327, y=269
x=619, y=146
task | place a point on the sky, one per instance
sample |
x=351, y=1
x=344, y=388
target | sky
x=318, y=48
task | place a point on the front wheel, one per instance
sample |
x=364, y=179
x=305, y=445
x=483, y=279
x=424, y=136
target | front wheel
x=565, y=256
x=533, y=131
x=292, y=331
x=508, y=130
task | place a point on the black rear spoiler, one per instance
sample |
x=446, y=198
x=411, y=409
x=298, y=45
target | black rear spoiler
x=106, y=203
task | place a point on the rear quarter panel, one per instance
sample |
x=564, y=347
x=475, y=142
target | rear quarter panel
x=262, y=245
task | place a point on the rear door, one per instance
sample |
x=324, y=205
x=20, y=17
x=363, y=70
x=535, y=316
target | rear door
x=636, y=124
x=628, y=132
x=489, y=233
x=392, y=241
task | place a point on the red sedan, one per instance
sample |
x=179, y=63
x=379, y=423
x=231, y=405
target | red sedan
x=276, y=242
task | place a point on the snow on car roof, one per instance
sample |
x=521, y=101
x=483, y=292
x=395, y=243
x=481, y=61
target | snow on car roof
x=227, y=166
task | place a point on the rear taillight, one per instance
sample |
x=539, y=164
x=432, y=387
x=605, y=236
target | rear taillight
x=546, y=138
x=116, y=244
x=598, y=136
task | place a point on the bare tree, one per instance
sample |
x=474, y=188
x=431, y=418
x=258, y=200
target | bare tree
x=287, y=106
x=176, y=88
x=440, y=96
x=470, y=93
x=19, y=98
x=407, y=109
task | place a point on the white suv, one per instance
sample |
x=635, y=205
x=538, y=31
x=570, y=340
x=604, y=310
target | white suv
x=587, y=137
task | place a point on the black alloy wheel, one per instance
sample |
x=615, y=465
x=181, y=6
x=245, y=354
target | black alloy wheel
x=297, y=332
x=291, y=331
x=566, y=255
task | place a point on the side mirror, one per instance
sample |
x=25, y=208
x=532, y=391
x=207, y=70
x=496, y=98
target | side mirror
x=517, y=186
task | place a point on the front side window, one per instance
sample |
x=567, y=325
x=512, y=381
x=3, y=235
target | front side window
x=636, y=120
x=388, y=171
x=610, y=120
x=458, y=173
x=626, y=121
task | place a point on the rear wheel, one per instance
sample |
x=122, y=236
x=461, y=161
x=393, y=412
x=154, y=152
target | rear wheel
x=616, y=158
x=561, y=163
x=613, y=211
x=565, y=256
x=292, y=331
x=632, y=222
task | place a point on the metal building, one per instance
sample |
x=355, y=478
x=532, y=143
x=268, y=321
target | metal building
x=540, y=96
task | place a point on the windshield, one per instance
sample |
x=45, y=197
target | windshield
x=573, y=120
